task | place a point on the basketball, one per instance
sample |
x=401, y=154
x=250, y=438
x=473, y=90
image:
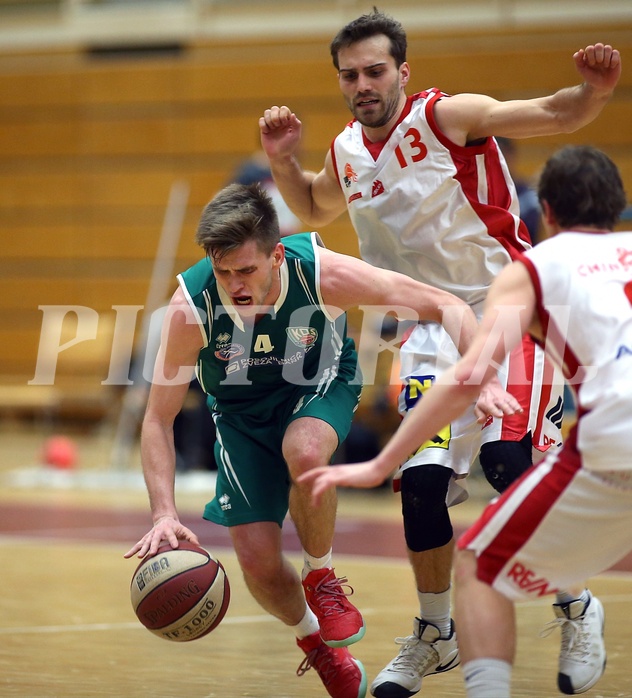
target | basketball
x=180, y=594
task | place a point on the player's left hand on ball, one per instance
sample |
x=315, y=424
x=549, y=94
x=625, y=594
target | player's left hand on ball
x=165, y=529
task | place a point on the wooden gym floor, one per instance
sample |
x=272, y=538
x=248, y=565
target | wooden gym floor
x=67, y=629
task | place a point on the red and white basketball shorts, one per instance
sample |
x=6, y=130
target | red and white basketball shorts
x=555, y=526
x=429, y=351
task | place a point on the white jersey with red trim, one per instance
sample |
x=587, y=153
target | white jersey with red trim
x=447, y=215
x=423, y=206
x=583, y=284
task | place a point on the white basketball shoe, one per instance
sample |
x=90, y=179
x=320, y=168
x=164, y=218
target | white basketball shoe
x=583, y=652
x=423, y=653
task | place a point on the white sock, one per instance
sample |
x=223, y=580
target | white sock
x=435, y=609
x=315, y=563
x=566, y=597
x=307, y=626
x=487, y=678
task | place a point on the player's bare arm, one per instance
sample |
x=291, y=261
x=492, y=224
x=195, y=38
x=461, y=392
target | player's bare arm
x=181, y=341
x=469, y=117
x=509, y=313
x=315, y=198
x=348, y=282
x=452, y=393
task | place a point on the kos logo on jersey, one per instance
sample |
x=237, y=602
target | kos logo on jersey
x=303, y=337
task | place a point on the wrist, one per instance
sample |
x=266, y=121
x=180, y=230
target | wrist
x=594, y=92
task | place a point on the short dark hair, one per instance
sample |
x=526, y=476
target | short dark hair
x=582, y=186
x=369, y=25
x=237, y=214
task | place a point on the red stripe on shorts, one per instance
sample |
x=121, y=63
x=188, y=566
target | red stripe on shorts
x=520, y=385
x=545, y=398
x=527, y=516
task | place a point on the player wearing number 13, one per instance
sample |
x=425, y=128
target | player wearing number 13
x=430, y=196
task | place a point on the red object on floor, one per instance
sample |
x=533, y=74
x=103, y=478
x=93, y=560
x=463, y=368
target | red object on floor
x=60, y=452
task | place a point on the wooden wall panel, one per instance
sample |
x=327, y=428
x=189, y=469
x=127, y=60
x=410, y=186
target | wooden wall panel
x=90, y=148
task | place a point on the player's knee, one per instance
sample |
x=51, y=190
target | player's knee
x=301, y=459
x=503, y=462
x=464, y=566
x=426, y=520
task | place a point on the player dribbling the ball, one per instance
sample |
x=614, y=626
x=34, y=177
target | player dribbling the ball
x=263, y=323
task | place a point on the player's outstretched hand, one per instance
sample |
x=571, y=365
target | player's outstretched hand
x=599, y=65
x=363, y=475
x=165, y=529
x=495, y=401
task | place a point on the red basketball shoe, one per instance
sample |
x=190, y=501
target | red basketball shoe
x=342, y=675
x=340, y=621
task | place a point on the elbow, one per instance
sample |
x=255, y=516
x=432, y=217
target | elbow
x=315, y=220
x=316, y=217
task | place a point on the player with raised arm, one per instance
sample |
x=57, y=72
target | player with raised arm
x=263, y=322
x=430, y=195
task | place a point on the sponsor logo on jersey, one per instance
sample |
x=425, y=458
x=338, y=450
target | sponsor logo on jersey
x=377, y=188
x=625, y=257
x=223, y=338
x=350, y=175
x=556, y=413
x=224, y=502
x=228, y=351
x=353, y=197
x=624, y=262
x=303, y=337
x=529, y=581
x=416, y=386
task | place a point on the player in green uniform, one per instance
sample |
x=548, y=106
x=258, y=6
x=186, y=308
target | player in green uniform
x=263, y=323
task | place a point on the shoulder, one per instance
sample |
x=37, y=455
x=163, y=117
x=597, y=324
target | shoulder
x=182, y=321
x=514, y=283
x=198, y=278
x=554, y=250
x=181, y=307
x=302, y=246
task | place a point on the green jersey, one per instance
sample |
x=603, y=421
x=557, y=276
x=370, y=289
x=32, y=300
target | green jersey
x=250, y=368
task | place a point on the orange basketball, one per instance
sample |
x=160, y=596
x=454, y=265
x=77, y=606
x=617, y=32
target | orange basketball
x=180, y=594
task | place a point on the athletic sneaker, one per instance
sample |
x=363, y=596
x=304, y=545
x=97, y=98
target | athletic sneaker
x=341, y=674
x=340, y=621
x=583, y=653
x=423, y=653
